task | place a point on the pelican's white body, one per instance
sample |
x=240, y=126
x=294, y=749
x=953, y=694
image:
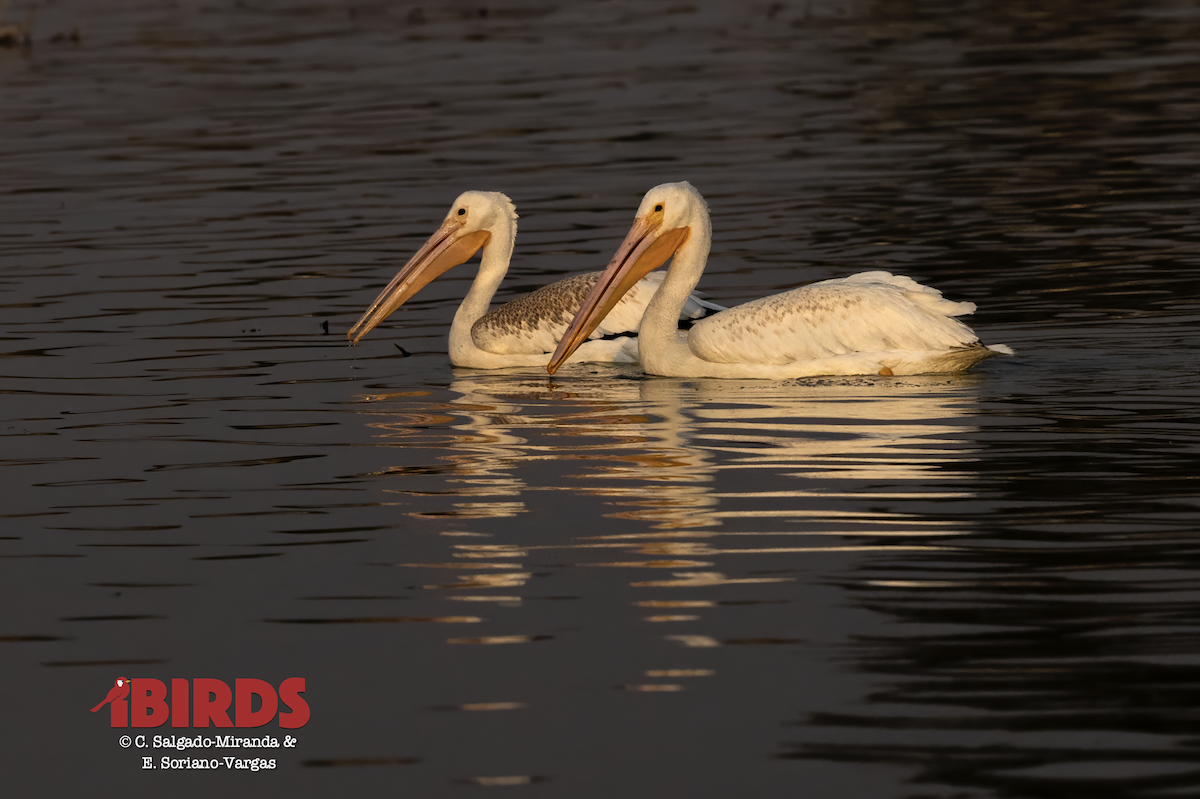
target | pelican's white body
x=869, y=323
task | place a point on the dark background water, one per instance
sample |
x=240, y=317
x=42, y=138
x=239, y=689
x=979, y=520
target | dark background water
x=602, y=584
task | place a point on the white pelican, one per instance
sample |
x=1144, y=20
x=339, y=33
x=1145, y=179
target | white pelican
x=869, y=323
x=525, y=331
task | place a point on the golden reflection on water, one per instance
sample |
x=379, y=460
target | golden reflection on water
x=493, y=706
x=721, y=482
x=679, y=673
x=494, y=640
x=705, y=580
x=515, y=779
x=674, y=453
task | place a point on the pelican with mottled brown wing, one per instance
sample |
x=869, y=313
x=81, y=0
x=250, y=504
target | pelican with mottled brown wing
x=869, y=323
x=525, y=331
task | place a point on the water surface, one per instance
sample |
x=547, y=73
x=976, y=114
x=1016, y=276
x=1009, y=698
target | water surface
x=601, y=583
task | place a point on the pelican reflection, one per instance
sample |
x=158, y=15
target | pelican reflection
x=704, y=498
x=688, y=470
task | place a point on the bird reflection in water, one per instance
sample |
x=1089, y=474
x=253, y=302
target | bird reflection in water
x=701, y=484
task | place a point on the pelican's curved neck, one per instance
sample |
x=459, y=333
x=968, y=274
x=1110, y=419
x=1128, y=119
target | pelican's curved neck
x=657, y=336
x=493, y=265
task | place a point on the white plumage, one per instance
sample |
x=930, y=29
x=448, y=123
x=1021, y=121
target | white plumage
x=525, y=331
x=873, y=322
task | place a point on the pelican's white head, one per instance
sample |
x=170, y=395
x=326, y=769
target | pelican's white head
x=471, y=223
x=483, y=210
x=676, y=205
x=670, y=215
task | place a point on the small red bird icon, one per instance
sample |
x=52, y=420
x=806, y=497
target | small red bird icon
x=118, y=691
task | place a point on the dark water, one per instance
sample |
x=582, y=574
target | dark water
x=602, y=584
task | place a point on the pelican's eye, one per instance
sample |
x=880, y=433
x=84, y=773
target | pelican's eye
x=462, y=211
x=658, y=208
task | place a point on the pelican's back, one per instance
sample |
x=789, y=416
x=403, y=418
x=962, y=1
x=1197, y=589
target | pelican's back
x=869, y=312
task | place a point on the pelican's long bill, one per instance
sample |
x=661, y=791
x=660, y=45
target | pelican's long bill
x=447, y=247
x=646, y=248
